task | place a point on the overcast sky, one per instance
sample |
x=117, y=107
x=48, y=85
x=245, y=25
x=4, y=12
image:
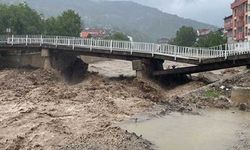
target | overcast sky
x=208, y=11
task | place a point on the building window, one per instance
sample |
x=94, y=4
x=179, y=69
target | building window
x=240, y=29
x=242, y=6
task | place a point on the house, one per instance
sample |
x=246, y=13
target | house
x=203, y=32
x=94, y=33
x=84, y=34
x=163, y=41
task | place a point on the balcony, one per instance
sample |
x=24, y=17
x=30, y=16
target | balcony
x=240, y=24
x=240, y=36
x=240, y=13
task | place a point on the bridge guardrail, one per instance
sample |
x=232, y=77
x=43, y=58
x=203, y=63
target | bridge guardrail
x=222, y=51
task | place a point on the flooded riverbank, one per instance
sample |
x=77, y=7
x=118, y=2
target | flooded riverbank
x=40, y=111
x=212, y=129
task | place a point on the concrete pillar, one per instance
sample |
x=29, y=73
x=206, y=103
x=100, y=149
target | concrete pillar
x=67, y=64
x=145, y=67
x=137, y=66
x=46, y=55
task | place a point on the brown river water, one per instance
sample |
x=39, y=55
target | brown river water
x=212, y=130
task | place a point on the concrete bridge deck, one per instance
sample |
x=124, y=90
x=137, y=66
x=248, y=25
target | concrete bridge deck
x=205, y=59
x=193, y=55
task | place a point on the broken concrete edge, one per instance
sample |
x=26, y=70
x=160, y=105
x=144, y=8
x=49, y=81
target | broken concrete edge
x=145, y=67
x=71, y=67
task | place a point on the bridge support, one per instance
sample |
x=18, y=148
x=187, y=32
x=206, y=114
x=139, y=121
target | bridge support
x=66, y=64
x=20, y=58
x=46, y=55
x=145, y=67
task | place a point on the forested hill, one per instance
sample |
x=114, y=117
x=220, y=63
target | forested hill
x=141, y=22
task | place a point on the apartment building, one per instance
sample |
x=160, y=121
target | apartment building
x=237, y=25
x=228, y=27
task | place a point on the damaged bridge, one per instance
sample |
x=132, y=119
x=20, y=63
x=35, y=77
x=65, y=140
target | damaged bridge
x=59, y=52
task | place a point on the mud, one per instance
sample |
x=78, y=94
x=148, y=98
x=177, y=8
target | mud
x=39, y=111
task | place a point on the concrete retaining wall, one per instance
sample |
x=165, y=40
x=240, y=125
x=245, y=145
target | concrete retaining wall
x=22, y=60
x=241, y=95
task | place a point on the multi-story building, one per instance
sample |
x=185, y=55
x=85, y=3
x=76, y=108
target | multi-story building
x=228, y=26
x=94, y=33
x=236, y=25
x=203, y=32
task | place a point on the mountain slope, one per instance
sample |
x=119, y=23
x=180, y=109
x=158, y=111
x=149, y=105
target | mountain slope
x=142, y=22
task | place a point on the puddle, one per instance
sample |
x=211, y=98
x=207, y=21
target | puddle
x=213, y=129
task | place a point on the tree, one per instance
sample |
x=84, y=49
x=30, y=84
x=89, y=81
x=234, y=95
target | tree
x=212, y=39
x=185, y=36
x=119, y=36
x=67, y=24
x=21, y=19
x=51, y=26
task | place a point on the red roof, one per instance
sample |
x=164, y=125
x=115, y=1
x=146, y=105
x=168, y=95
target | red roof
x=85, y=34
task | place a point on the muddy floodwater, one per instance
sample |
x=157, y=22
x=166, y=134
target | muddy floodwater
x=213, y=129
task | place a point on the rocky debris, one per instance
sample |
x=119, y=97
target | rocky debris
x=199, y=99
x=217, y=95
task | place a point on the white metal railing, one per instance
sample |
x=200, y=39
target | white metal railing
x=222, y=51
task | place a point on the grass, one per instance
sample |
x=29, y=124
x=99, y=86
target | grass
x=212, y=93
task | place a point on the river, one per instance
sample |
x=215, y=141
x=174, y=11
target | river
x=211, y=130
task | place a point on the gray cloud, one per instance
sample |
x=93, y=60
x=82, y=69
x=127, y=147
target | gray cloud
x=209, y=11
